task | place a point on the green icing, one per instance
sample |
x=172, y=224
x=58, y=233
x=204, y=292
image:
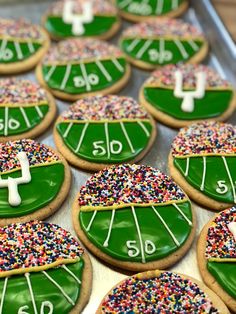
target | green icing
x=99, y=26
x=213, y=104
x=11, y=54
x=225, y=275
x=151, y=229
x=16, y=123
x=151, y=55
x=77, y=83
x=46, y=182
x=94, y=142
x=18, y=294
x=146, y=8
x=217, y=180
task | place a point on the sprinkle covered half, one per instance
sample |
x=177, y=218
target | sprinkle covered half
x=109, y=107
x=166, y=293
x=35, y=244
x=205, y=138
x=122, y=185
x=220, y=240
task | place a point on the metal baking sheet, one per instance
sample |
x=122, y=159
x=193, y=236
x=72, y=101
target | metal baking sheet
x=104, y=277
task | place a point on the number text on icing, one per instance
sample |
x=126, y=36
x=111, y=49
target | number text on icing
x=92, y=79
x=133, y=250
x=160, y=56
x=25, y=309
x=222, y=187
x=99, y=148
x=140, y=8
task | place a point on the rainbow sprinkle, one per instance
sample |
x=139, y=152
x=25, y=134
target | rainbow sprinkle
x=37, y=154
x=35, y=243
x=167, y=293
x=220, y=241
x=125, y=184
x=109, y=107
x=205, y=138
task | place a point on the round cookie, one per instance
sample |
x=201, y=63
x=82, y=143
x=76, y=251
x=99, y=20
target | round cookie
x=161, y=292
x=217, y=256
x=134, y=217
x=143, y=10
x=202, y=162
x=43, y=270
x=100, y=130
x=26, y=109
x=158, y=42
x=34, y=181
x=179, y=95
x=22, y=45
x=76, y=68
x=81, y=18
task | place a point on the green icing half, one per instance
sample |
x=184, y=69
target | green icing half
x=46, y=182
x=213, y=104
x=152, y=55
x=17, y=51
x=86, y=80
x=217, y=183
x=225, y=275
x=12, y=120
x=18, y=294
x=97, y=147
x=151, y=228
x=99, y=26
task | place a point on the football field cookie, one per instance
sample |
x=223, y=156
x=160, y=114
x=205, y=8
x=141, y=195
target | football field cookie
x=34, y=181
x=161, y=292
x=217, y=256
x=76, y=68
x=158, y=42
x=134, y=217
x=100, y=130
x=43, y=270
x=22, y=45
x=143, y=10
x=81, y=18
x=202, y=162
x=179, y=95
x=26, y=109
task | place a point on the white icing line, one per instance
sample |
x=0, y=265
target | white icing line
x=175, y=4
x=187, y=167
x=230, y=178
x=67, y=129
x=105, y=244
x=85, y=76
x=59, y=287
x=139, y=235
x=166, y=226
x=81, y=137
x=181, y=48
x=203, y=174
x=127, y=137
x=3, y=46
x=50, y=72
x=117, y=65
x=159, y=7
x=27, y=276
x=103, y=70
x=25, y=117
x=91, y=221
x=71, y=273
x=39, y=111
x=144, y=48
x=6, y=121
x=193, y=45
x=161, y=50
x=18, y=50
x=66, y=76
x=124, y=3
x=144, y=128
x=31, y=47
x=3, y=294
x=107, y=140
x=183, y=214
x=133, y=44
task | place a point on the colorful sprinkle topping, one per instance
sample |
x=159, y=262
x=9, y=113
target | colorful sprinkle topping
x=20, y=29
x=162, y=27
x=167, y=293
x=109, y=107
x=37, y=154
x=72, y=50
x=205, y=138
x=21, y=92
x=126, y=184
x=34, y=244
x=220, y=240
x=165, y=76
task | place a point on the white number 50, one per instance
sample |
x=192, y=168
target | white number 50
x=99, y=150
x=149, y=248
x=23, y=309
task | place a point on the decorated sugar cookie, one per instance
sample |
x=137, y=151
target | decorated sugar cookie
x=158, y=42
x=81, y=18
x=178, y=95
x=43, y=270
x=101, y=130
x=26, y=109
x=76, y=68
x=134, y=217
x=22, y=45
x=161, y=292
x=202, y=161
x=34, y=181
x=143, y=10
x=217, y=256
